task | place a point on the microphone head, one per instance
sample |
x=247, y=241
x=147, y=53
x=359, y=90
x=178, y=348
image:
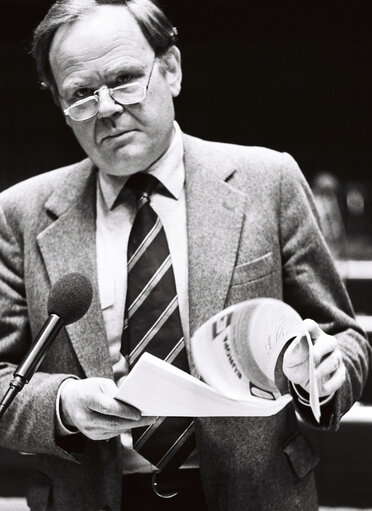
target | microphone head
x=70, y=297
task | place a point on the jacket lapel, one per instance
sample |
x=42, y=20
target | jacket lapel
x=215, y=213
x=69, y=245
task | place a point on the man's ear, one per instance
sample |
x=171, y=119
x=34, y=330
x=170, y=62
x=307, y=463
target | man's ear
x=171, y=68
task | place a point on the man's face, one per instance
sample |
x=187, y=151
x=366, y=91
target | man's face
x=107, y=47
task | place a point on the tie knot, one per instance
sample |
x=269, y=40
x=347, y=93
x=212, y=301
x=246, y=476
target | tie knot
x=141, y=183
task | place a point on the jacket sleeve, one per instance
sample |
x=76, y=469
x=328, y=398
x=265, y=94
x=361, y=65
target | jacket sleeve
x=313, y=287
x=29, y=423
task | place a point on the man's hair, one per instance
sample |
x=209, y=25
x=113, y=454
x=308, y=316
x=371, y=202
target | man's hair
x=155, y=26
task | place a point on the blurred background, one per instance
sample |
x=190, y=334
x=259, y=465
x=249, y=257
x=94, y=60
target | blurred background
x=292, y=75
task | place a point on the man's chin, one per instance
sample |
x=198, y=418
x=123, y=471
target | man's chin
x=124, y=163
x=124, y=159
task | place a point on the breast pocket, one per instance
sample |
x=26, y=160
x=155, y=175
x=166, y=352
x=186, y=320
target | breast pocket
x=253, y=270
x=254, y=279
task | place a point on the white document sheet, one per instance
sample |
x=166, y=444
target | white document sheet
x=237, y=350
x=157, y=388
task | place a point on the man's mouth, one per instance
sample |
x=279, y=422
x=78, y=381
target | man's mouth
x=116, y=134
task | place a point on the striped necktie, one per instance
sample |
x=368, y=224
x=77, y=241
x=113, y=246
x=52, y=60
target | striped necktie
x=152, y=323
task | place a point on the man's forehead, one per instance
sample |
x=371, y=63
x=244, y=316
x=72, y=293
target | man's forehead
x=98, y=37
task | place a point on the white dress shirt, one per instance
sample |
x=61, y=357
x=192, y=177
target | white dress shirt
x=115, y=216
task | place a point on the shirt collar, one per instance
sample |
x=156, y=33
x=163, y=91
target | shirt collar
x=168, y=169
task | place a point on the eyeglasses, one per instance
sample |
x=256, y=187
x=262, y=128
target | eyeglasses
x=128, y=94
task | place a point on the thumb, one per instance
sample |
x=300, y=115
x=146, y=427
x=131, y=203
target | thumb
x=107, y=386
x=313, y=328
x=297, y=352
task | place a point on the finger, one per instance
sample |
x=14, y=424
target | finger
x=313, y=328
x=324, y=346
x=120, y=425
x=297, y=353
x=328, y=366
x=101, y=392
x=334, y=383
x=97, y=434
x=107, y=405
x=107, y=386
x=323, y=343
x=100, y=425
x=104, y=433
x=145, y=421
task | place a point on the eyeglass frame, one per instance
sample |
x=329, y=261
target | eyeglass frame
x=95, y=95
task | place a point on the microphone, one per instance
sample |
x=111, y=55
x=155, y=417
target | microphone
x=68, y=301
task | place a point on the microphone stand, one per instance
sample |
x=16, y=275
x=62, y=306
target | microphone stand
x=15, y=386
x=31, y=360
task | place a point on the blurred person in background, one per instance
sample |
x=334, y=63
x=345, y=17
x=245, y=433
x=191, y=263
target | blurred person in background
x=327, y=189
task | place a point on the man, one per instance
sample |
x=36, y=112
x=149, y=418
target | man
x=239, y=223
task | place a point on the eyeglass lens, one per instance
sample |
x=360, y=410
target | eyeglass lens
x=124, y=94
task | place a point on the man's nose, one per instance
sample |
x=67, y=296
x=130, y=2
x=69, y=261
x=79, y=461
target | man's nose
x=107, y=106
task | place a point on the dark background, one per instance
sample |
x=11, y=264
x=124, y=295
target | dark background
x=293, y=75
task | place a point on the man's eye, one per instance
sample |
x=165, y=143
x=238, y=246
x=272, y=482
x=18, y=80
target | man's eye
x=123, y=79
x=83, y=93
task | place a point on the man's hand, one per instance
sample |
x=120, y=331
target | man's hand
x=89, y=406
x=330, y=371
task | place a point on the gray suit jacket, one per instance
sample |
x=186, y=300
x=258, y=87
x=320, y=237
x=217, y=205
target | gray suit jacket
x=252, y=232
